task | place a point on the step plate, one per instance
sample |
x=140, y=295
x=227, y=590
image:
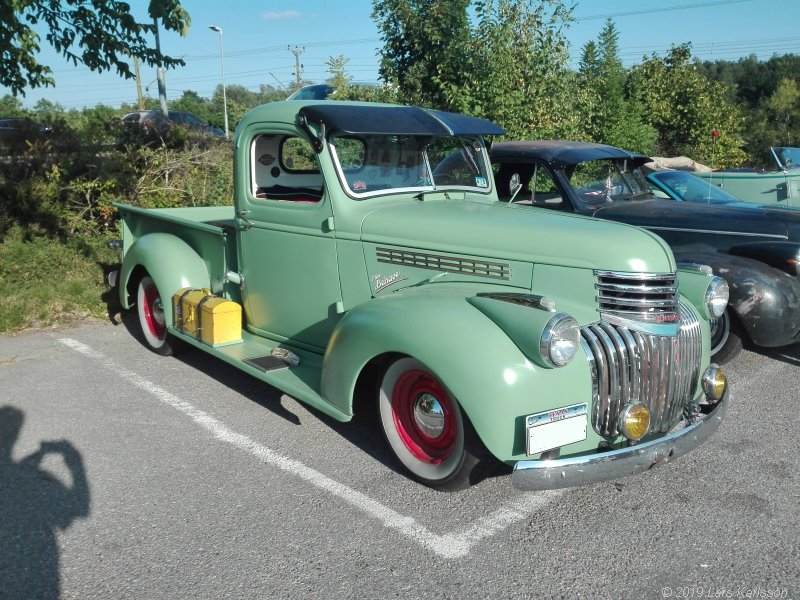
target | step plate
x=267, y=363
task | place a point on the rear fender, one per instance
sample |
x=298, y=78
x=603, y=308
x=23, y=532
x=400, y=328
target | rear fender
x=170, y=262
x=765, y=299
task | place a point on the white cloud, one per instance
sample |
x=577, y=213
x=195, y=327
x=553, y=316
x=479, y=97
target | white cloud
x=279, y=16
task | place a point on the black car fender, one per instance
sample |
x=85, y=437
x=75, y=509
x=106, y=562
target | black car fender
x=781, y=255
x=766, y=300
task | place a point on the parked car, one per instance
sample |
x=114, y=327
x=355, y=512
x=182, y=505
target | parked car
x=155, y=118
x=755, y=248
x=687, y=187
x=21, y=126
x=354, y=275
x=781, y=186
x=319, y=91
x=135, y=116
x=18, y=133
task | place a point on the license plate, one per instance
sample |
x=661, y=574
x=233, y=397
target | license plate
x=555, y=428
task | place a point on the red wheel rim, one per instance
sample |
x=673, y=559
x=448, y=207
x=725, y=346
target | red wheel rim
x=154, y=312
x=408, y=390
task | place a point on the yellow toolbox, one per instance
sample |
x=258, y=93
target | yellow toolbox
x=214, y=320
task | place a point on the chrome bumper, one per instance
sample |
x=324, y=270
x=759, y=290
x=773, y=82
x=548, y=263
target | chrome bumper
x=535, y=475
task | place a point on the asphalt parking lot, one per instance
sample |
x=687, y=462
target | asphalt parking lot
x=127, y=475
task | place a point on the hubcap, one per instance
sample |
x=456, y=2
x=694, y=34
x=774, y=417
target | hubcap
x=154, y=312
x=429, y=415
x=423, y=417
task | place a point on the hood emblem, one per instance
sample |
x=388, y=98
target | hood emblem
x=380, y=282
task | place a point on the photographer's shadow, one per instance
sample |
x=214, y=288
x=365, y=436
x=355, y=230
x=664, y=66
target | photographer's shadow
x=33, y=505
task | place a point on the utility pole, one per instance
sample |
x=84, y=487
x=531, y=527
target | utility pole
x=162, y=86
x=298, y=68
x=139, y=97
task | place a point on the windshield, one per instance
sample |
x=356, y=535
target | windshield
x=787, y=158
x=603, y=181
x=688, y=187
x=374, y=164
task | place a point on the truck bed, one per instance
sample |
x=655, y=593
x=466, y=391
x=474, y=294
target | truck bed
x=209, y=230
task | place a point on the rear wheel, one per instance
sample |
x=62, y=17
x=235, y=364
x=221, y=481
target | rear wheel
x=425, y=428
x=151, y=319
x=726, y=338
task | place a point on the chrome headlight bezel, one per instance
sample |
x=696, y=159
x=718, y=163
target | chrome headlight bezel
x=560, y=340
x=716, y=298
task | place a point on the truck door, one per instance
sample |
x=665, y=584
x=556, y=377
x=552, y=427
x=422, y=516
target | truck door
x=287, y=248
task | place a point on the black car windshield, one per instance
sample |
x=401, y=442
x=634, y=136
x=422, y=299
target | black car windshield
x=685, y=186
x=609, y=180
x=374, y=164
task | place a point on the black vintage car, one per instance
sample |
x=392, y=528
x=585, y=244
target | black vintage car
x=755, y=248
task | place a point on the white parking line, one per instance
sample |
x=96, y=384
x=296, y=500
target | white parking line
x=454, y=545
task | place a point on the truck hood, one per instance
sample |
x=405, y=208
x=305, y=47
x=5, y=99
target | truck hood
x=495, y=230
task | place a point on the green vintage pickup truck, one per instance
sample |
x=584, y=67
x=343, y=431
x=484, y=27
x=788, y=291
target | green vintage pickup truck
x=574, y=350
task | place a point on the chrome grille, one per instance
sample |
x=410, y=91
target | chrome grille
x=661, y=371
x=438, y=262
x=650, y=297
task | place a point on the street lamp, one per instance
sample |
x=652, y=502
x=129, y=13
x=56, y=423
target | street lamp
x=222, y=67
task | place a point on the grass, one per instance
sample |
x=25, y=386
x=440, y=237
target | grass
x=47, y=282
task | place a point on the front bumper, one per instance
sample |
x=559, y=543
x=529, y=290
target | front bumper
x=536, y=475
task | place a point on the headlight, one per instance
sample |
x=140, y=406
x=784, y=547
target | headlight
x=560, y=340
x=717, y=297
x=634, y=421
x=714, y=383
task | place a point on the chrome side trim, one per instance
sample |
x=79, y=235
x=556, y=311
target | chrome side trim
x=538, y=475
x=634, y=276
x=529, y=300
x=718, y=232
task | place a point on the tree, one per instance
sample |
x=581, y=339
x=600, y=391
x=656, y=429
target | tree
x=424, y=47
x=783, y=107
x=104, y=36
x=615, y=119
x=774, y=122
x=191, y=101
x=686, y=108
x=11, y=106
x=45, y=107
x=520, y=76
x=339, y=79
x=344, y=89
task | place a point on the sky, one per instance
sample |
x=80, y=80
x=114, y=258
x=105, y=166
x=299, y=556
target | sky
x=257, y=37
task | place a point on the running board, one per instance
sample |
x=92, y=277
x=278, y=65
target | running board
x=270, y=362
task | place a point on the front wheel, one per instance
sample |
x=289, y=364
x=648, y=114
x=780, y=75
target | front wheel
x=424, y=426
x=151, y=319
x=726, y=338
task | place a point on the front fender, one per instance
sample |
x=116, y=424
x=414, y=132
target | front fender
x=171, y=263
x=496, y=385
x=766, y=300
x=781, y=255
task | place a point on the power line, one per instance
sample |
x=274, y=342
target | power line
x=660, y=9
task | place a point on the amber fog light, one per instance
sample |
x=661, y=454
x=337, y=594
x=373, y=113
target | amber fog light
x=634, y=421
x=714, y=383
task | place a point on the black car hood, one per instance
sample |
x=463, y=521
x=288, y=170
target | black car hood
x=665, y=215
